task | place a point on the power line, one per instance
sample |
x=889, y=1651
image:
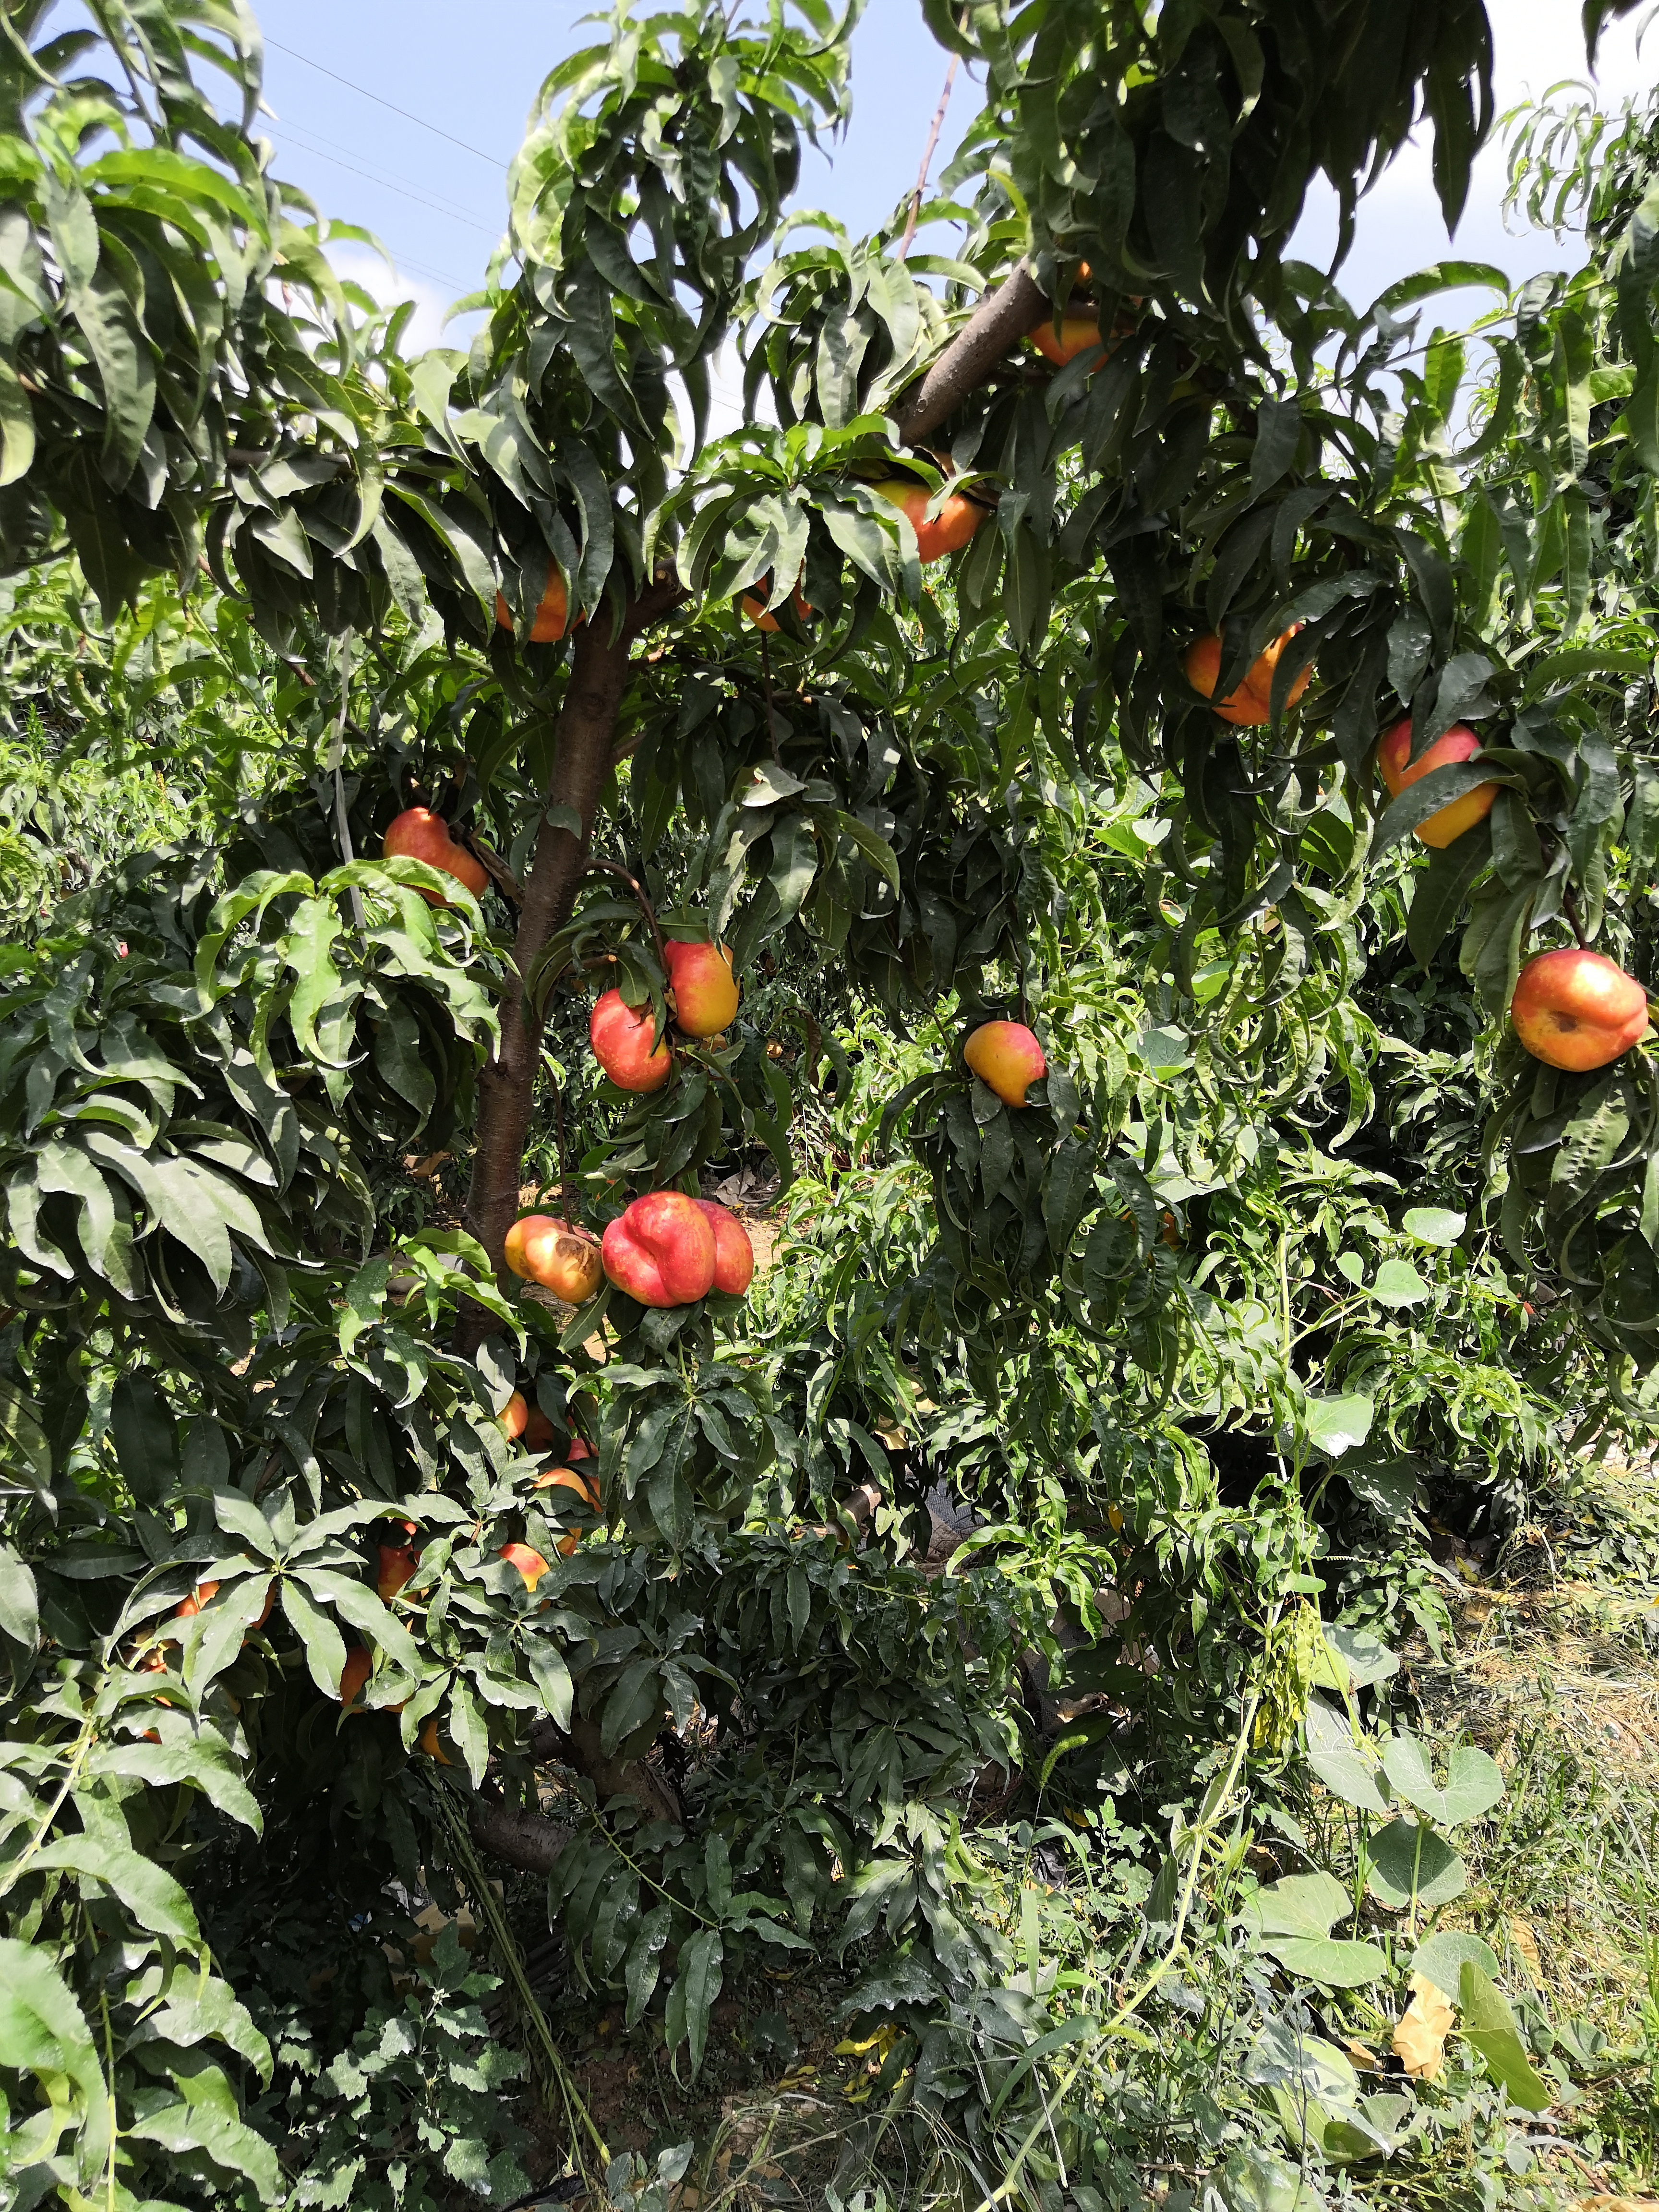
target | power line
x=394, y=184
x=294, y=54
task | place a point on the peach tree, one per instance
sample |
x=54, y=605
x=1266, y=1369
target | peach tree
x=998, y=711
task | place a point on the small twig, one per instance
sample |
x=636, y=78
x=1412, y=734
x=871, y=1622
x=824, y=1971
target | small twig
x=615, y=868
x=567, y=1191
x=766, y=680
x=1570, y=907
x=337, y=751
x=936, y=125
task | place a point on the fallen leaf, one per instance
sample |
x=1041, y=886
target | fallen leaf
x=1525, y=1946
x=1419, y=2036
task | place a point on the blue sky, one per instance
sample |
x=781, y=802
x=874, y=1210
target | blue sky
x=471, y=69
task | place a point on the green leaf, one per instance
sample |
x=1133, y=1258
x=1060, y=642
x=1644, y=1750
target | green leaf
x=1408, y=1861
x=148, y=1890
x=1433, y=1224
x=1337, y=1425
x=20, y=1606
x=43, y=2034
x=325, y=1646
x=1339, y=1966
x=692, y=1997
x=1440, y=1958
x=1474, y=1782
x=1301, y=1905
x=1398, y=1283
x=1489, y=2025
x=1336, y=1759
x=207, y=2118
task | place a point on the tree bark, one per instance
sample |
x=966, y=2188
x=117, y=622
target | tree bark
x=1001, y=318
x=582, y=761
x=525, y=1840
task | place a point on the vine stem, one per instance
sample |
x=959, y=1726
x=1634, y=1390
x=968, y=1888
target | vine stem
x=616, y=868
x=88, y=1737
x=576, y=2111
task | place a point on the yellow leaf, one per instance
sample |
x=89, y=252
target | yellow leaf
x=1419, y=2036
x=880, y=2042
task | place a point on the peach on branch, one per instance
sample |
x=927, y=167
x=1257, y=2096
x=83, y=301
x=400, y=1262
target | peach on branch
x=529, y=1562
x=542, y=1249
x=950, y=528
x=547, y=624
x=515, y=1417
x=702, y=994
x=1078, y=333
x=1008, y=1057
x=753, y=604
x=1251, y=706
x=660, y=1251
x=734, y=1255
x=1400, y=771
x=1577, y=1009
x=359, y=1664
x=417, y=834
x=566, y=1477
x=621, y=1037
x=394, y=1565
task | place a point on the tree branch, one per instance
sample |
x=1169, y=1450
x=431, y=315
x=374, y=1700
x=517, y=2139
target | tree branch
x=1000, y=319
x=525, y=1840
x=582, y=767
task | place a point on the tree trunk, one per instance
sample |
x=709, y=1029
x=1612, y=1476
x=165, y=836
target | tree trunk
x=581, y=762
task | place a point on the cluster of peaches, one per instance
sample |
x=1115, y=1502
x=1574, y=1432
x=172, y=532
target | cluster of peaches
x=665, y=1249
x=1572, y=1008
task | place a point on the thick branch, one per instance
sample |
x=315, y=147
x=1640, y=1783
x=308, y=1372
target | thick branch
x=523, y=1839
x=1001, y=318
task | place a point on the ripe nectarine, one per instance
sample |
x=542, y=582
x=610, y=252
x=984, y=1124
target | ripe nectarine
x=951, y=527
x=754, y=605
x=515, y=1417
x=541, y=1248
x=548, y=622
x=1577, y=1009
x=421, y=835
x=566, y=1477
x=1006, y=1056
x=529, y=1562
x=661, y=1250
x=359, y=1665
x=1078, y=333
x=1251, y=706
x=734, y=1255
x=395, y=1565
x=621, y=1037
x=703, y=995
x=1400, y=771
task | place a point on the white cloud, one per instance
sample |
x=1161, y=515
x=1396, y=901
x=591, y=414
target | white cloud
x=427, y=326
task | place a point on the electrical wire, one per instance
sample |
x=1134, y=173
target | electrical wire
x=407, y=192
x=294, y=54
x=304, y=135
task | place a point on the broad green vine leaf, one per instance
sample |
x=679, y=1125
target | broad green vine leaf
x=1489, y=2025
x=1409, y=1862
x=1474, y=1781
x=1336, y=1425
x=1440, y=1959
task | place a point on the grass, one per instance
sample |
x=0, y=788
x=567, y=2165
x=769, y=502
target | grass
x=1554, y=1670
